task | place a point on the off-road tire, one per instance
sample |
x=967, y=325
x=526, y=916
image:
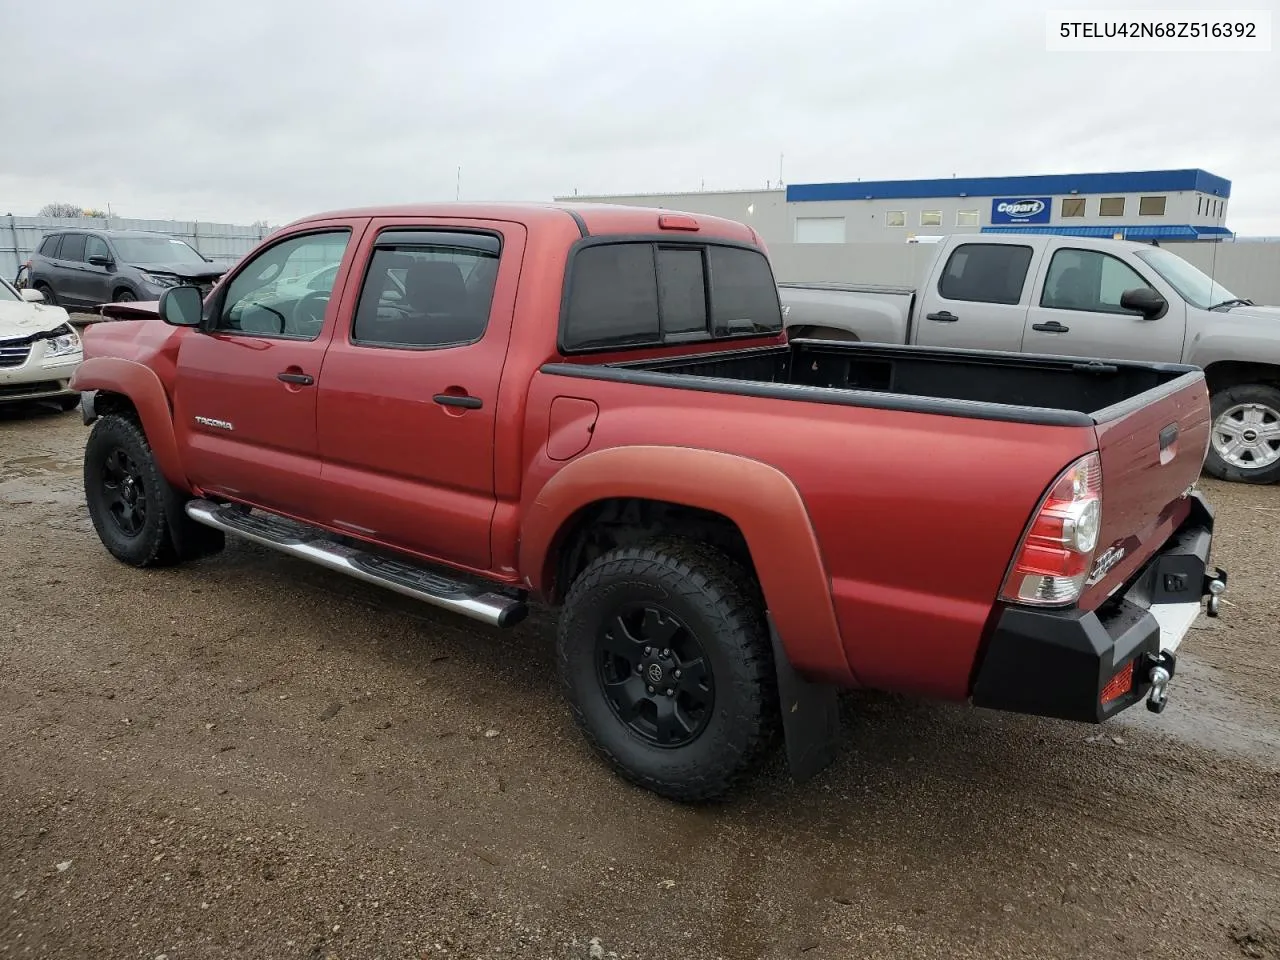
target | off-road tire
x=721, y=605
x=167, y=535
x=1224, y=400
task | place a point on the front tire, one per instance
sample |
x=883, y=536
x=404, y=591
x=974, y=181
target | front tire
x=1244, y=446
x=127, y=494
x=666, y=661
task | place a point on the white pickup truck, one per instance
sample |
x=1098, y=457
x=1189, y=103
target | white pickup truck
x=1079, y=297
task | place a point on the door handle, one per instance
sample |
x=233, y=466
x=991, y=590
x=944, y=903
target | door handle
x=1053, y=326
x=458, y=400
x=943, y=316
x=303, y=378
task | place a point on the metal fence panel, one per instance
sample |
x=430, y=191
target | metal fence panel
x=223, y=243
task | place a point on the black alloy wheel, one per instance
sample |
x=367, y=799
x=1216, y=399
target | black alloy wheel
x=655, y=675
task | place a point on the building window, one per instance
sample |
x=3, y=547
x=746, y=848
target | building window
x=1072, y=207
x=966, y=218
x=819, y=230
x=1111, y=207
x=930, y=218
x=1199, y=205
x=895, y=218
x=1151, y=206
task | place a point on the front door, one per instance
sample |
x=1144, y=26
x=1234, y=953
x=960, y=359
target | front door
x=409, y=391
x=98, y=275
x=245, y=397
x=979, y=302
x=1078, y=313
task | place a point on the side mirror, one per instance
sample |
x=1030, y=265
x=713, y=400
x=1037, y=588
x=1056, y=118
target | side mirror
x=32, y=296
x=98, y=260
x=181, y=307
x=1145, y=301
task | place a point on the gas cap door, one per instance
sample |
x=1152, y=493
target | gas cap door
x=571, y=425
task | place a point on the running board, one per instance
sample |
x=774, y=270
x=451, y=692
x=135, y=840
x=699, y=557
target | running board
x=445, y=590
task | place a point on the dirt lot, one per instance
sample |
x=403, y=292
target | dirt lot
x=250, y=757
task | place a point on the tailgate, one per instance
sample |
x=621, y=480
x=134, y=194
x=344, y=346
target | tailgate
x=1152, y=447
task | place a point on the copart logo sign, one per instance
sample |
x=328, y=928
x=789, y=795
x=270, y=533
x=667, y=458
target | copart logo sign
x=1021, y=209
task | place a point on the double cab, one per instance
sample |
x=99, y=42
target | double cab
x=597, y=408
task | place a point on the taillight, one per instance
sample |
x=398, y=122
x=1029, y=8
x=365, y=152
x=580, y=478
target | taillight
x=1053, y=559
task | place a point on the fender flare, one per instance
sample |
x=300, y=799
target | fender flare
x=142, y=386
x=759, y=498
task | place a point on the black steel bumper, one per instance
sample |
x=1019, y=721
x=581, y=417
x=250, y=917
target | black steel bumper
x=1056, y=663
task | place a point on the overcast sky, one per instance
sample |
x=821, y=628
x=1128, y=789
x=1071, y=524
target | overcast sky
x=236, y=111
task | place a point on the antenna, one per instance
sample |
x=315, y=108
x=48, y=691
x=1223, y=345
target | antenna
x=780, y=156
x=457, y=191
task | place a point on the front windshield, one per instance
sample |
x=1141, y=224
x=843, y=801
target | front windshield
x=1195, y=287
x=145, y=250
x=8, y=293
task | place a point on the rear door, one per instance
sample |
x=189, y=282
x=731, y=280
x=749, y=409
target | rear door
x=409, y=391
x=69, y=276
x=1077, y=312
x=978, y=300
x=246, y=385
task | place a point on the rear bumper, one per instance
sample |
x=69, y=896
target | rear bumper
x=1057, y=663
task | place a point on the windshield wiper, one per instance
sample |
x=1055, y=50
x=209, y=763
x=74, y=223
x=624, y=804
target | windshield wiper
x=1233, y=302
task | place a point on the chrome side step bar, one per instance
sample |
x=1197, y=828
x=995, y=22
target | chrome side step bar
x=446, y=590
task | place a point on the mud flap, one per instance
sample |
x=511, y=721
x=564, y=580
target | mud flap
x=810, y=716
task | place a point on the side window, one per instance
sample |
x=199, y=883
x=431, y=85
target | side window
x=1088, y=280
x=72, y=247
x=985, y=273
x=95, y=247
x=613, y=297
x=272, y=296
x=49, y=246
x=427, y=289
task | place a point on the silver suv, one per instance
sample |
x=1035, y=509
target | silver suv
x=85, y=268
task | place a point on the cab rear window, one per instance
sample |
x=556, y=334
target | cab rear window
x=633, y=293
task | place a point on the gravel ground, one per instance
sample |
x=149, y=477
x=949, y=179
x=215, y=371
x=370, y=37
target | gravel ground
x=250, y=757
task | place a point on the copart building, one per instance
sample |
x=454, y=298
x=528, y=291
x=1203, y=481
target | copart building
x=1160, y=205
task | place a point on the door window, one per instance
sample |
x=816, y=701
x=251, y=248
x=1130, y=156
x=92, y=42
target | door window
x=285, y=290
x=95, y=247
x=985, y=273
x=1088, y=280
x=72, y=247
x=427, y=289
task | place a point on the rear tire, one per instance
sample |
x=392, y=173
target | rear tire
x=67, y=404
x=124, y=296
x=1244, y=446
x=47, y=291
x=670, y=615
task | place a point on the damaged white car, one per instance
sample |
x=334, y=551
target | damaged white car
x=39, y=349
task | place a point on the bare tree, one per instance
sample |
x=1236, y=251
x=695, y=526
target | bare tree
x=61, y=210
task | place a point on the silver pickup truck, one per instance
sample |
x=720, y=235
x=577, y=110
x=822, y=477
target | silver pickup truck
x=1079, y=297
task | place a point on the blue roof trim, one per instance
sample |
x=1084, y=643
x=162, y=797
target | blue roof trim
x=1180, y=231
x=1143, y=181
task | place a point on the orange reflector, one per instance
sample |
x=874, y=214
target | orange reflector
x=676, y=221
x=1119, y=685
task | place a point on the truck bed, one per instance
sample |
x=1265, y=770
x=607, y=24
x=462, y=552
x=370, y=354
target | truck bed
x=986, y=385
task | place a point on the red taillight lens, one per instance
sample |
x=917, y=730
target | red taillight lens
x=1118, y=685
x=1055, y=554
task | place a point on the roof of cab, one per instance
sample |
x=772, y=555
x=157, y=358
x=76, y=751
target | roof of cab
x=593, y=219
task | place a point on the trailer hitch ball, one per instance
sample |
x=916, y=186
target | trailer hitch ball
x=1216, y=590
x=1158, y=698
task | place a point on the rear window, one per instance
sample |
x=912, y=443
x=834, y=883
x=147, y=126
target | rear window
x=985, y=273
x=49, y=245
x=640, y=293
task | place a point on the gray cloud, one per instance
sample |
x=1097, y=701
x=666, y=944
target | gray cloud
x=243, y=111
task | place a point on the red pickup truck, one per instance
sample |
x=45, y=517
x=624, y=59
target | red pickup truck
x=597, y=408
